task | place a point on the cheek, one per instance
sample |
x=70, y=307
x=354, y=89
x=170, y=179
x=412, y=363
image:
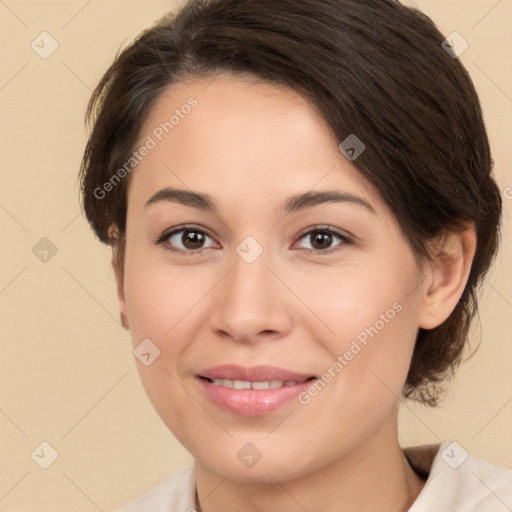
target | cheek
x=159, y=298
x=159, y=301
x=164, y=304
x=369, y=358
x=371, y=314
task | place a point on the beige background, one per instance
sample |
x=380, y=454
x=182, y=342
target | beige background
x=68, y=376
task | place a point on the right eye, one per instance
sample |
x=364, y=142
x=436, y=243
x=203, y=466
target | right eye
x=191, y=240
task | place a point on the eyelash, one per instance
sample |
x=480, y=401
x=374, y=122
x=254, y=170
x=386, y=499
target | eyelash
x=320, y=229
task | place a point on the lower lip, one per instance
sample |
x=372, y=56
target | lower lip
x=252, y=402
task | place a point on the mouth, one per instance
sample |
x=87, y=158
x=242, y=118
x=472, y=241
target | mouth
x=252, y=391
x=247, y=384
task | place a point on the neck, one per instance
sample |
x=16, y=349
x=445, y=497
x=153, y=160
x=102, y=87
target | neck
x=373, y=476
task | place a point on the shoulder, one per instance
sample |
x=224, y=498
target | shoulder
x=176, y=492
x=461, y=482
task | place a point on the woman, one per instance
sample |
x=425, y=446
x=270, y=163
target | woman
x=299, y=199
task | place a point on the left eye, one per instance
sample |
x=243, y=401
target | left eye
x=321, y=239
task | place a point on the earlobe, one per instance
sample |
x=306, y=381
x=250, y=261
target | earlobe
x=119, y=275
x=122, y=302
x=445, y=281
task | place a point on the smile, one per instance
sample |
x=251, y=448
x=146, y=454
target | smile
x=252, y=391
x=246, y=384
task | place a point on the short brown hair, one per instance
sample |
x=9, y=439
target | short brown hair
x=373, y=68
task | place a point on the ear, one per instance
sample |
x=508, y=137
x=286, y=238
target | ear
x=120, y=293
x=446, y=276
x=118, y=248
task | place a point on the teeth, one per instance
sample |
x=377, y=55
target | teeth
x=246, y=384
x=261, y=385
x=241, y=384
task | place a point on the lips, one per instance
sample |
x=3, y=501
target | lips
x=252, y=391
x=253, y=374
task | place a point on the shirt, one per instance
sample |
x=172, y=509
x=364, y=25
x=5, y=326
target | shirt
x=456, y=482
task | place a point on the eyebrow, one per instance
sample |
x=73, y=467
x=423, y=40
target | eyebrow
x=295, y=203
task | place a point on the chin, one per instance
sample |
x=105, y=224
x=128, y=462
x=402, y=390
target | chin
x=275, y=465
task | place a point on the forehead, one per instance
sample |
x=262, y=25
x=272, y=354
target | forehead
x=239, y=112
x=226, y=133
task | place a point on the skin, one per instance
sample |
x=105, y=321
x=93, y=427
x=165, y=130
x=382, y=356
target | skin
x=251, y=146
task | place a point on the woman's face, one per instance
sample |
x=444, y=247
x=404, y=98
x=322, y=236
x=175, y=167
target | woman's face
x=324, y=322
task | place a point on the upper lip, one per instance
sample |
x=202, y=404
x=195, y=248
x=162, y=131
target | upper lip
x=260, y=373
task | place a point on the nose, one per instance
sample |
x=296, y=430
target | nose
x=251, y=303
